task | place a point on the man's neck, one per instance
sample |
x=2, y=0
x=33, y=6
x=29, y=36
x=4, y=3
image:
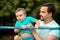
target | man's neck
x=48, y=20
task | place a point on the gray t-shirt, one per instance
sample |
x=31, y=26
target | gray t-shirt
x=43, y=33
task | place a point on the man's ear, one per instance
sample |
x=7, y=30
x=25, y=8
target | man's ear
x=50, y=14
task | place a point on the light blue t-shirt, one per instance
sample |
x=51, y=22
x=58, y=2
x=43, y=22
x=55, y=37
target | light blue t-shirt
x=26, y=21
x=43, y=33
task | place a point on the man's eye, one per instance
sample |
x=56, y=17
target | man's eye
x=42, y=12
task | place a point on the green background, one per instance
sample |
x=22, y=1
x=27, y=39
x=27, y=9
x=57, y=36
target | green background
x=8, y=7
x=7, y=13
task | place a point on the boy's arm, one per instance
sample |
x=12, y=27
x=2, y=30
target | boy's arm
x=16, y=30
x=37, y=25
x=16, y=25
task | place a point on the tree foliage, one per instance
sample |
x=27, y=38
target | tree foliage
x=8, y=7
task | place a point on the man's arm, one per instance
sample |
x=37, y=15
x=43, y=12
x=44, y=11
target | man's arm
x=51, y=37
x=36, y=35
x=54, y=35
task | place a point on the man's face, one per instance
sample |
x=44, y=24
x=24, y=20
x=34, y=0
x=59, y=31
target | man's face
x=20, y=15
x=44, y=13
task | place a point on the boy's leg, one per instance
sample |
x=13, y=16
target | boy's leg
x=17, y=37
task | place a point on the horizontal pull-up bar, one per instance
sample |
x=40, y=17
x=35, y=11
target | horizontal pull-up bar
x=28, y=28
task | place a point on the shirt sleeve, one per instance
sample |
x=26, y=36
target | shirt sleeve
x=16, y=24
x=55, y=33
x=31, y=19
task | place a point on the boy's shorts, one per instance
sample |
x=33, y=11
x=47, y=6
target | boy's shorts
x=28, y=38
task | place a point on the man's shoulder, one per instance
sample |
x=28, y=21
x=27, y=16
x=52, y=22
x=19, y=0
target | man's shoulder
x=55, y=23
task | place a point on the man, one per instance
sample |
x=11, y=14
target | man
x=46, y=14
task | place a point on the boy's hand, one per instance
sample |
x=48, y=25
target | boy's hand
x=36, y=26
x=30, y=25
x=23, y=27
x=16, y=30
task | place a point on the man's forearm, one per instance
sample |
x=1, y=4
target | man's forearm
x=51, y=37
x=36, y=36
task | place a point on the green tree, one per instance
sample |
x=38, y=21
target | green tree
x=8, y=7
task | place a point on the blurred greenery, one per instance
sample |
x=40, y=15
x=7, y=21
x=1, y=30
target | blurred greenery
x=8, y=7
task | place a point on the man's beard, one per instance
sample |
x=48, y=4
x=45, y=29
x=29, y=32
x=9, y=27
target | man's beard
x=41, y=18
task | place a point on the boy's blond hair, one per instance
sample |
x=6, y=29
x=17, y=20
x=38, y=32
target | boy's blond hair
x=20, y=9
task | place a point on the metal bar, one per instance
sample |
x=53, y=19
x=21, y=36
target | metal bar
x=29, y=28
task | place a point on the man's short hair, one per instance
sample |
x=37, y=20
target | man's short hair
x=51, y=7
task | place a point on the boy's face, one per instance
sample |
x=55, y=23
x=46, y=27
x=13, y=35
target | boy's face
x=20, y=15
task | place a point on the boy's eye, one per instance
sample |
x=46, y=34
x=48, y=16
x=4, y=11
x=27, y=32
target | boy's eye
x=16, y=16
x=20, y=15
